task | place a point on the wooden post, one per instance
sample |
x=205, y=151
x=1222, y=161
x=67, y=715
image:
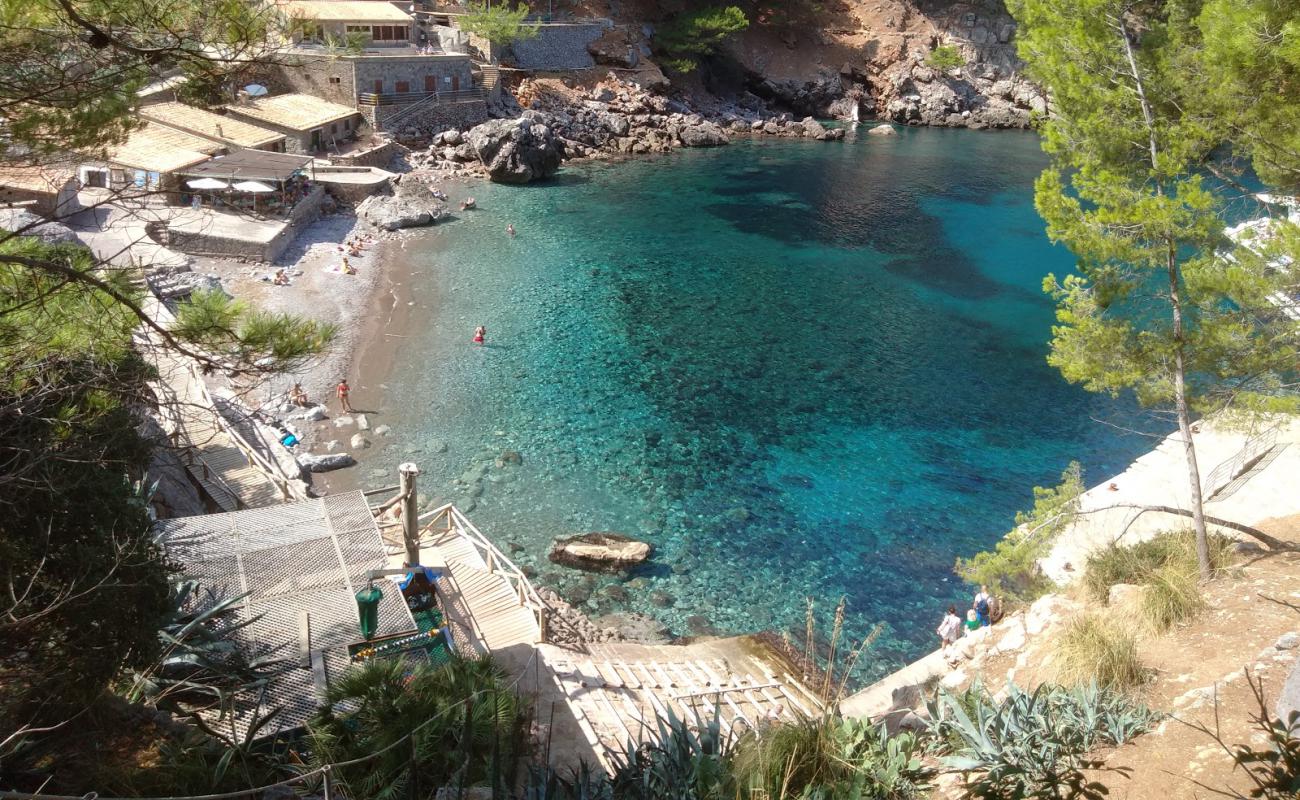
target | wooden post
x=410, y=512
x=541, y=624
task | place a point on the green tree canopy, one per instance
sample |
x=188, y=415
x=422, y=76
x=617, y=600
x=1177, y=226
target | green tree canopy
x=499, y=24
x=693, y=35
x=1154, y=308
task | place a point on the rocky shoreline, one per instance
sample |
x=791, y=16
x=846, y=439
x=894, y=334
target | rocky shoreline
x=612, y=118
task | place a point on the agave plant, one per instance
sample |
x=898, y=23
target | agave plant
x=201, y=663
x=583, y=782
x=684, y=761
x=1033, y=744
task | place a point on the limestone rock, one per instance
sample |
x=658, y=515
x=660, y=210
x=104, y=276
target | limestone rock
x=363, y=424
x=325, y=462
x=1125, y=594
x=607, y=552
x=883, y=130
x=517, y=150
x=705, y=134
x=359, y=441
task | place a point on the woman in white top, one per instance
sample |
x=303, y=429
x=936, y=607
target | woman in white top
x=949, y=631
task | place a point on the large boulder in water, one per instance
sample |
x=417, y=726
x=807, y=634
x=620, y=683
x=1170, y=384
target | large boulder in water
x=602, y=552
x=517, y=150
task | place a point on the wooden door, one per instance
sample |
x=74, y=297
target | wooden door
x=430, y=84
x=455, y=83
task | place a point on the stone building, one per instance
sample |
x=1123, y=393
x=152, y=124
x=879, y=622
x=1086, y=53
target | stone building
x=309, y=124
x=368, y=23
x=147, y=160
x=47, y=191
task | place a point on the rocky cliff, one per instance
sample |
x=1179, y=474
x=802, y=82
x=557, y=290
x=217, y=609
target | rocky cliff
x=857, y=59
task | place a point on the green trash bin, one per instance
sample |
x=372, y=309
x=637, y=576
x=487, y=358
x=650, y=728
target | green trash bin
x=368, y=610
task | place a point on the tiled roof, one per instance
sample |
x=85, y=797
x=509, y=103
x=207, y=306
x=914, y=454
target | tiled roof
x=209, y=125
x=300, y=112
x=346, y=11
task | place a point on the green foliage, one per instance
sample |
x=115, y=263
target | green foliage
x=1155, y=308
x=72, y=70
x=945, y=57
x=1033, y=745
x=830, y=758
x=1246, y=82
x=274, y=342
x=200, y=664
x=697, y=34
x=687, y=759
x=83, y=584
x=1138, y=563
x=1011, y=569
x=463, y=719
x=1097, y=649
x=499, y=24
x=1172, y=595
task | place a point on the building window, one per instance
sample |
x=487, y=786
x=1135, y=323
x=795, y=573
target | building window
x=379, y=85
x=390, y=33
x=335, y=79
x=334, y=128
x=403, y=87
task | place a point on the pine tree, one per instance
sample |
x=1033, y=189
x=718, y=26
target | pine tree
x=1155, y=308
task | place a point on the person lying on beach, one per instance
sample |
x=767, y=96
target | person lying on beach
x=298, y=395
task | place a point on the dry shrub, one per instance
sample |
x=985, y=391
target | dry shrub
x=1096, y=648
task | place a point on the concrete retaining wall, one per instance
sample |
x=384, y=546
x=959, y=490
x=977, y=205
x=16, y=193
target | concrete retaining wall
x=196, y=243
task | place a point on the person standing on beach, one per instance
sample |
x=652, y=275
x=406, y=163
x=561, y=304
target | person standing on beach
x=981, y=606
x=480, y=333
x=343, y=391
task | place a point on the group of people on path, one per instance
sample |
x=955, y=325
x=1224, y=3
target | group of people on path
x=953, y=627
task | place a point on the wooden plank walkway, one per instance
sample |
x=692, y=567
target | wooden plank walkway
x=480, y=602
x=225, y=473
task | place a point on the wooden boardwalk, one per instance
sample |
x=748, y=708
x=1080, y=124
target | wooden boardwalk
x=485, y=608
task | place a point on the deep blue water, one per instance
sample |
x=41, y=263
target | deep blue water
x=797, y=368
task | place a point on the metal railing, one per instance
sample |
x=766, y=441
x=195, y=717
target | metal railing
x=449, y=519
x=1229, y=470
x=404, y=98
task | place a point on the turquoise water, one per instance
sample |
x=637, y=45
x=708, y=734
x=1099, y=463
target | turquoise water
x=798, y=368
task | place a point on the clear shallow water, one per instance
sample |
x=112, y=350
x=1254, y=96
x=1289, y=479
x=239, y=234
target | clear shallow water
x=796, y=368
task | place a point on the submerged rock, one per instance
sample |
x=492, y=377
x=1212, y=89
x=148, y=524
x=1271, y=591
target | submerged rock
x=635, y=627
x=517, y=150
x=606, y=552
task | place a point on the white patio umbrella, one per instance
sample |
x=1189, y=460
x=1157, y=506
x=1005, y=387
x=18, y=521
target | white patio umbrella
x=254, y=187
x=255, y=90
x=207, y=183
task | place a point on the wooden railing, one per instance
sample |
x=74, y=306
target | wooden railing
x=449, y=519
x=404, y=98
x=1229, y=470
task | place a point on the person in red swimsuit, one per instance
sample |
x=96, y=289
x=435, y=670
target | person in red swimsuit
x=479, y=334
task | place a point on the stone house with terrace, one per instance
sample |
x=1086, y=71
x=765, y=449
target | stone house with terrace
x=223, y=129
x=309, y=124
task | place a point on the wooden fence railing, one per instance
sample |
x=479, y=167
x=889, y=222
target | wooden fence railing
x=449, y=519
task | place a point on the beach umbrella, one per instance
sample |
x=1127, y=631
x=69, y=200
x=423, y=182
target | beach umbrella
x=207, y=183
x=255, y=187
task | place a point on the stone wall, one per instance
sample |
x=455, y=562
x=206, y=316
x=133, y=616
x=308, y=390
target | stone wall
x=559, y=46
x=327, y=77
x=465, y=114
x=380, y=156
x=449, y=72
x=198, y=243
